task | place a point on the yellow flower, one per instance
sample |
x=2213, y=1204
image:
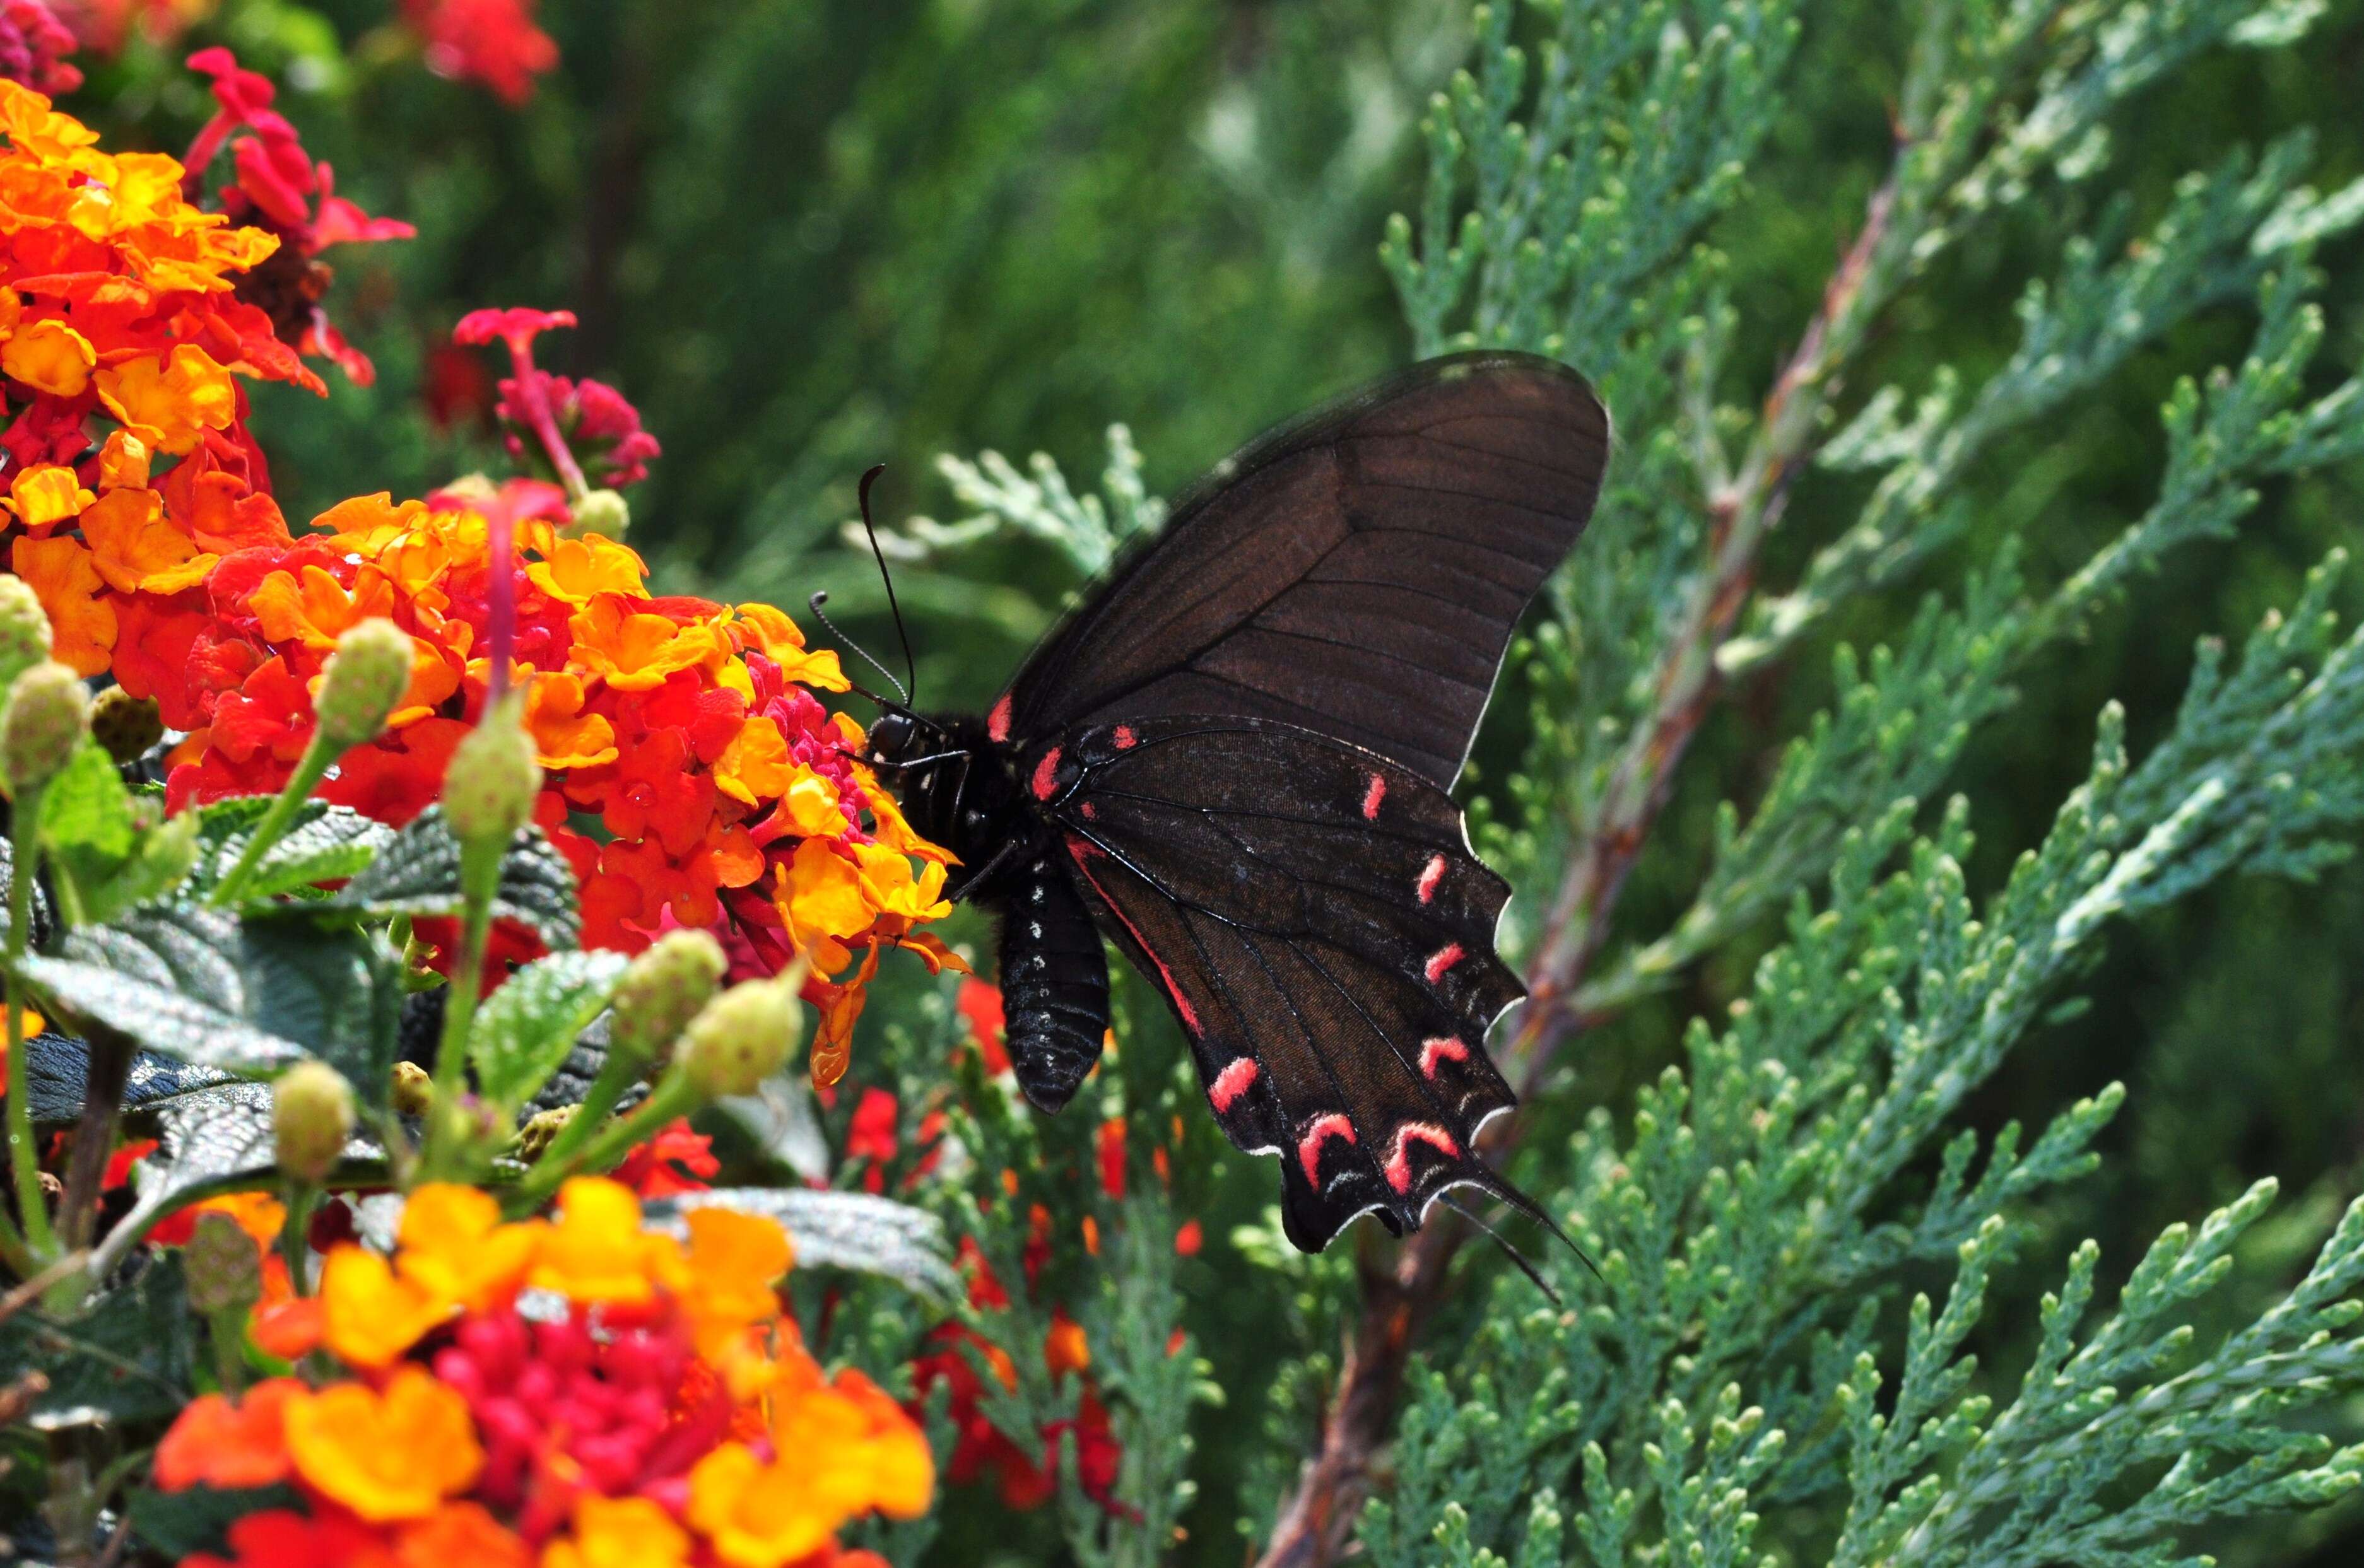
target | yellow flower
x=577, y=571
x=634, y=651
x=846, y=1449
x=46, y=494
x=597, y=1252
x=171, y=404
x=886, y=879
x=619, y=1533
x=564, y=735
x=734, y=1262
x=454, y=1247
x=316, y=609
x=123, y=460
x=822, y=900
x=136, y=548
x=395, y=1455
x=756, y=766
x=52, y=357
x=368, y=1315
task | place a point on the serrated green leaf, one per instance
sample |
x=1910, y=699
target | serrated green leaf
x=159, y=1017
x=57, y=1068
x=85, y=809
x=183, y=948
x=844, y=1231
x=336, y=990
x=129, y=1357
x=159, y=863
x=329, y=844
x=418, y=874
x=524, y=1031
x=41, y=899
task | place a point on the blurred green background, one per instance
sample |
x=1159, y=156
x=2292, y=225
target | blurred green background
x=807, y=237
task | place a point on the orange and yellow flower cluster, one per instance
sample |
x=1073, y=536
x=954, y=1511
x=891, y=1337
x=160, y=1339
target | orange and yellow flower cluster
x=655, y=1408
x=693, y=777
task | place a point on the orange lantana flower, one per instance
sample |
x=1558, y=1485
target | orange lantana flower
x=229, y=1444
x=390, y=1455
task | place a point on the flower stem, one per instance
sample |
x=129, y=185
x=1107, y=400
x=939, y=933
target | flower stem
x=24, y=1155
x=480, y=874
x=309, y=771
x=296, y=1235
x=673, y=1096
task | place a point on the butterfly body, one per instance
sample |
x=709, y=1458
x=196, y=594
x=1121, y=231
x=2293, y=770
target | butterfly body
x=1233, y=763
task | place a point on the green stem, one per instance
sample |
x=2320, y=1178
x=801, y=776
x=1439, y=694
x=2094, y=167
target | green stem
x=672, y=1098
x=480, y=875
x=227, y=1331
x=24, y=1154
x=295, y=1235
x=309, y=771
x=616, y=1073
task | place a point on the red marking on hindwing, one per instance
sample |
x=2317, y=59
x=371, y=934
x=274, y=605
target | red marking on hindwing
x=1230, y=1083
x=1125, y=739
x=1047, y=774
x=1089, y=812
x=1373, y=795
x=997, y=723
x=1309, y=1147
x=1399, y=1161
x=1444, y=1048
x=1080, y=848
x=1443, y=958
x=1429, y=877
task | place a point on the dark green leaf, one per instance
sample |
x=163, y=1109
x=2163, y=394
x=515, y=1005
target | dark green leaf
x=127, y=1358
x=335, y=990
x=418, y=874
x=57, y=1066
x=159, y=864
x=180, y=1524
x=184, y=949
x=845, y=1230
x=41, y=899
x=158, y=1017
x=524, y=1031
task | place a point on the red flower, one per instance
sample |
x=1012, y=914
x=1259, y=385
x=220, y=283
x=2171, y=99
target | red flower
x=1109, y=1144
x=676, y=1161
x=980, y=1003
x=493, y=42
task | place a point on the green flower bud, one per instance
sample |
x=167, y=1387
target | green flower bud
x=223, y=1268
x=740, y=1038
x=49, y=713
x=541, y=1129
x=24, y=629
x=603, y=512
x=363, y=682
x=127, y=726
x=488, y=793
x=413, y=1091
x=311, y=1117
x=663, y=991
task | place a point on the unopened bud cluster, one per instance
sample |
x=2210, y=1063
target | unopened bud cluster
x=364, y=681
x=24, y=629
x=740, y=1038
x=489, y=791
x=663, y=991
x=49, y=713
x=311, y=1117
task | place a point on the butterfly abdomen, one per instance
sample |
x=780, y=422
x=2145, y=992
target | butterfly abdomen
x=1054, y=983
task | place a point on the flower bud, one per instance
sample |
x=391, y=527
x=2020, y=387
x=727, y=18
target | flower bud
x=603, y=512
x=740, y=1038
x=311, y=1117
x=127, y=726
x=24, y=629
x=488, y=793
x=222, y=1265
x=663, y=991
x=541, y=1129
x=413, y=1091
x=364, y=680
x=49, y=713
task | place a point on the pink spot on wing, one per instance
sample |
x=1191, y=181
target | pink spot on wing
x=1444, y=1048
x=1373, y=795
x=1309, y=1147
x=1089, y=811
x=1429, y=877
x=1125, y=739
x=1443, y=958
x=1081, y=850
x=1399, y=1161
x=997, y=723
x=1231, y=1082
x=1047, y=774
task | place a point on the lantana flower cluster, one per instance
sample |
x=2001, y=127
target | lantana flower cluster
x=693, y=777
x=571, y=1393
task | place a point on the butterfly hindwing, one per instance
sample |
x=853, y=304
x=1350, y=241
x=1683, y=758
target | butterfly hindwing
x=1315, y=917
x=1357, y=574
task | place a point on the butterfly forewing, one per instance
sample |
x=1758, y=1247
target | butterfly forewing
x=1314, y=915
x=1358, y=574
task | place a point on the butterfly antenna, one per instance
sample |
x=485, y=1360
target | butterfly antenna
x=1525, y=1267
x=816, y=602
x=910, y=666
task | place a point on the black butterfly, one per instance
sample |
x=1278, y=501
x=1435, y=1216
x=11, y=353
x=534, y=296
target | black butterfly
x=1234, y=760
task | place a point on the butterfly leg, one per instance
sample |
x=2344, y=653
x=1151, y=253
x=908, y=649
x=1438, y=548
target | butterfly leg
x=1054, y=984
